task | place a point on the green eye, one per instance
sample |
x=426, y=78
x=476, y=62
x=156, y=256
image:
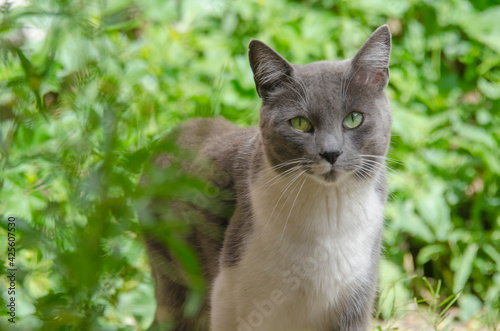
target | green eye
x=300, y=124
x=353, y=120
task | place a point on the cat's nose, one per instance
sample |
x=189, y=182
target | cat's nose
x=331, y=157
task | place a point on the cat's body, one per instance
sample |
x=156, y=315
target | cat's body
x=303, y=272
x=302, y=245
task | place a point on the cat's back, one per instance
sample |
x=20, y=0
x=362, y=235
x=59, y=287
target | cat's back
x=196, y=134
x=198, y=154
x=211, y=150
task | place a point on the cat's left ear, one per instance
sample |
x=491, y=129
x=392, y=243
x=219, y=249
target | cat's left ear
x=370, y=66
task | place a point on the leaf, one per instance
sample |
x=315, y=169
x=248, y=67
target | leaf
x=430, y=251
x=493, y=253
x=435, y=211
x=394, y=292
x=464, y=270
x=490, y=89
x=38, y=284
x=484, y=27
x=469, y=305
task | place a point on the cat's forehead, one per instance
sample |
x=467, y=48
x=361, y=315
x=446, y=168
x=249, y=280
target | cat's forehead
x=329, y=85
x=323, y=82
x=322, y=72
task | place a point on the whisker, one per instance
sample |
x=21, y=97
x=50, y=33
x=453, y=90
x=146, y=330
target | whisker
x=292, y=161
x=275, y=179
x=392, y=160
x=373, y=165
x=288, y=197
x=365, y=174
x=291, y=208
x=302, y=98
x=372, y=169
x=379, y=165
x=282, y=165
x=304, y=89
x=288, y=185
x=342, y=89
x=267, y=171
x=283, y=175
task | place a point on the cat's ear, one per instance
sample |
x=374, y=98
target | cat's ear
x=269, y=68
x=370, y=66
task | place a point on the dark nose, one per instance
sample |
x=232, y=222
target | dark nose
x=331, y=157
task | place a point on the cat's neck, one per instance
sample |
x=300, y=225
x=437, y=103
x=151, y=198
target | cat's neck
x=298, y=207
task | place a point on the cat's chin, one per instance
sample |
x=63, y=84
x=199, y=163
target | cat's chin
x=331, y=177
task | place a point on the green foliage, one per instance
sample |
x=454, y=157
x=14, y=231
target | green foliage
x=87, y=88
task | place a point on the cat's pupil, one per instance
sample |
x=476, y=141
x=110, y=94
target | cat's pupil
x=300, y=122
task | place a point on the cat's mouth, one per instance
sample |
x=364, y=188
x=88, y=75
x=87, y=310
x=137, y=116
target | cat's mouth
x=334, y=175
x=331, y=176
x=326, y=173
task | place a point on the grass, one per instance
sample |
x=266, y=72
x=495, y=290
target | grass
x=433, y=312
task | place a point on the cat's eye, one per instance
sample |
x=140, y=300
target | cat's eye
x=353, y=120
x=300, y=124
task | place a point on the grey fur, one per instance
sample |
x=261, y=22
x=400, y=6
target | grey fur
x=322, y=92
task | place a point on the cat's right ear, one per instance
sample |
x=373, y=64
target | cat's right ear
x=371, y=64
x=269, y=68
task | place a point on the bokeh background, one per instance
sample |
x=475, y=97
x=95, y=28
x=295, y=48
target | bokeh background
x=87, y=87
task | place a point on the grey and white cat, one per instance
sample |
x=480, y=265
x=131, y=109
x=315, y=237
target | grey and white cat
x=300, y=247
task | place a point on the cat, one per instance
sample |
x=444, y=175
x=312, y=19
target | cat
x=294, y=241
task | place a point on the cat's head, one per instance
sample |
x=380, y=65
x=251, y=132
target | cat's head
x=329, y=119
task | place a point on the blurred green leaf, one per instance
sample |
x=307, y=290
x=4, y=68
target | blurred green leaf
x=89, y=88
x=464, y=268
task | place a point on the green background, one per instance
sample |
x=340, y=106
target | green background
x=86, y=88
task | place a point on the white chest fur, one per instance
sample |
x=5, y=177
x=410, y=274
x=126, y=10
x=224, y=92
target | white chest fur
x=309, y=249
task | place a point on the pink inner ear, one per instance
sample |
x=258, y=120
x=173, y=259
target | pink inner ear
x=369, y=76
